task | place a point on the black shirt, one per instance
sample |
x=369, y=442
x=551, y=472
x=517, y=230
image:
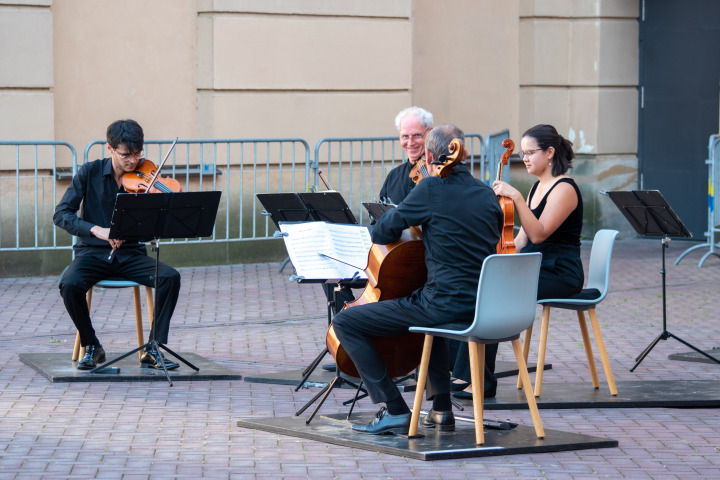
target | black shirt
x=397, y=184
x=569, y=231
x=94, y=185
x=461, y=222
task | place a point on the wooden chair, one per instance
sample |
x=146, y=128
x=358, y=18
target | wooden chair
x=505, y=307
x=586, y=300
x=79, y=352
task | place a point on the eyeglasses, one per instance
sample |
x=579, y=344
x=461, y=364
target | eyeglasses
x=416, y=137
x=125, y=156
x=527, y=153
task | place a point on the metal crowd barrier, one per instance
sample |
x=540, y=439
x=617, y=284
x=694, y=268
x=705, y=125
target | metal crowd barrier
x=31, y=193
x=357, y=166
x=713, y=214
x=240, y=168
x=35, y=174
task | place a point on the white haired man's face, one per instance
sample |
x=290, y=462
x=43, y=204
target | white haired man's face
x=412, y=137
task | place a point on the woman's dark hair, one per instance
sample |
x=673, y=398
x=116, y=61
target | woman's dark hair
x=128, y=133
x=547, y=136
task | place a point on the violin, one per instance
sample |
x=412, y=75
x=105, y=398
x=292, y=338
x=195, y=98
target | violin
x=507, y=237
x=146, y=177
x=419, y=171
x=394, y=270
x=140, y=180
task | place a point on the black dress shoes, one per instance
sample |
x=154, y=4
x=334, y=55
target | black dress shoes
x=456, y=387
x=151, y=359
x=94, y=354
x=444, y=421
x=386, y=423
x=468, y=395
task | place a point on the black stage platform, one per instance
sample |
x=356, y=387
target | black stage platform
x=57, y=367
x=321, y=377
x=335, y=429
x=633, y=394
x=693, y=356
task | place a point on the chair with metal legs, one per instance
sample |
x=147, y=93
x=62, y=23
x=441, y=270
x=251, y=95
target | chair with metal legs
x=505, y=307
x=79, y=351
x=594, y=293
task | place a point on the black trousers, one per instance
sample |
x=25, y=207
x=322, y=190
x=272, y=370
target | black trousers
x=355, y=327
x=86, y=270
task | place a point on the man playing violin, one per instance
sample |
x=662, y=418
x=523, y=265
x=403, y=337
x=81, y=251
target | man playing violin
x=461, y=222
x=97, y=256
x=412, y=124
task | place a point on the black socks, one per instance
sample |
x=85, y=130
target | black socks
x=399, y=407
x=441, y=402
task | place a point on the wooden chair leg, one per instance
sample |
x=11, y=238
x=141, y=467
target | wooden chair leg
x=150, y=304
x=522, y=368
x=138, y=319
x=420, y=386
x=526, y=350
x=588, y=349
x=541, y=350
x=477, y=374
x=603, y=353
x=76, y=348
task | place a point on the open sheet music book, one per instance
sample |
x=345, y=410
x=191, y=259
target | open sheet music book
x=322, y=251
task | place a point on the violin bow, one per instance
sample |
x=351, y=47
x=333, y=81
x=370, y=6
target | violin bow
x=157, y=172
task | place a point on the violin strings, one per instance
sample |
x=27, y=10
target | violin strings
x=159, y=185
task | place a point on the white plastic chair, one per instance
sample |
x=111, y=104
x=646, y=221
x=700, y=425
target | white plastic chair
x=593, y=293
x=505, y=307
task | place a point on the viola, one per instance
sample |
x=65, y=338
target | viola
x=394, y=271
x=507, y=237
x=139, y=180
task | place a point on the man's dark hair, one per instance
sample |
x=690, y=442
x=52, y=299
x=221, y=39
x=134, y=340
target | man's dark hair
x=128, y=133
x=438, y=139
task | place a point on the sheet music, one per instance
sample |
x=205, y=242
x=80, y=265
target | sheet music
x=308, y=243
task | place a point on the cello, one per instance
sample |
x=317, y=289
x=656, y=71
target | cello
x=394, y=271
x=507, y=236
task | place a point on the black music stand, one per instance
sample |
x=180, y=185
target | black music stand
x=650, y=215
x=377, y=209
x=150, y=217
x=306, y=207
x=326, y=206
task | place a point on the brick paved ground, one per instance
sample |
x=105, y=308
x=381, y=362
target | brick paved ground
x=251, y=319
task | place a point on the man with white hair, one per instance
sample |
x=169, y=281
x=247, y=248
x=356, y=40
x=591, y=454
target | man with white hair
x=412, y=124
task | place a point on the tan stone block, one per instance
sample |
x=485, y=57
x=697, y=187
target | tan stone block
x=618, y=52
x=370, y=8
x=617, y=120
x=543, y=105
x=268, y=115
x=546, y=8
x=544, y=52
x=279, y=53
x=26, y=56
